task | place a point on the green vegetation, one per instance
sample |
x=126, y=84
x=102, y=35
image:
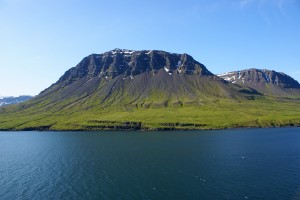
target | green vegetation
x=215, y=114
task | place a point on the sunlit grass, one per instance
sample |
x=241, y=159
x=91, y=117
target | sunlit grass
x=221, y=114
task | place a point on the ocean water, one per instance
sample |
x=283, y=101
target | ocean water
x=226, y=164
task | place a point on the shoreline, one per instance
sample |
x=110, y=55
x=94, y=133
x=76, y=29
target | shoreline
x=152, y=129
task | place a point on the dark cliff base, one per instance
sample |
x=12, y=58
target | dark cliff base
x=138, y=126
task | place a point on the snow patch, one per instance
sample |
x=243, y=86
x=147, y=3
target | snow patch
x=131, y=76
x=240, y=75
x=170, y=74
x=149, y=52
x=167, y=70
x=266, y=77
x=230, y=79
x=225, y=74
x=123, y=51
x=128, y=52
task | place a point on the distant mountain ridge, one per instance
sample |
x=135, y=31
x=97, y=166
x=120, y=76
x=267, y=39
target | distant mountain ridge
x=263, y=80
x=13, y=100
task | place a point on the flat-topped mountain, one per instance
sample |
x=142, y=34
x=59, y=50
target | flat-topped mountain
x=139, y=78
x=265, y=81
x=151, y=89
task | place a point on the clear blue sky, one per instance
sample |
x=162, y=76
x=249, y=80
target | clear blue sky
x=41, y=39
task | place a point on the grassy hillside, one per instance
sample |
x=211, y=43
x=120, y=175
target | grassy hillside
x=215, y=114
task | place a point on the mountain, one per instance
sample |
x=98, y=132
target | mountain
x=265, y=81
x=13, y=100
x=146, y=90
x=141, y=79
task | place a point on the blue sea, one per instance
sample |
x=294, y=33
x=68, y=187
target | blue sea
x=223, y=164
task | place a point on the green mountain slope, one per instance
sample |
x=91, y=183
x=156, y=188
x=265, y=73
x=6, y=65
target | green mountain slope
x=147, y=90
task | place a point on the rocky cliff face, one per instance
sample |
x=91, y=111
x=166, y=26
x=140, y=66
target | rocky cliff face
x=263, y=80
x=129, y=63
